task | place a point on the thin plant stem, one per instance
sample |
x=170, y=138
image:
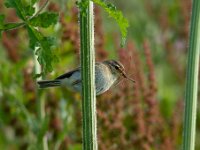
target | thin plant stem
x=14, y=26
x=41, y=8
x=192, y=79
x=40, y=98
x=88, y=76
x=41, y=106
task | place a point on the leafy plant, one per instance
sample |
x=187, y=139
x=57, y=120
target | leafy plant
x=117, y=15
x=112, y=12
x=33, y=21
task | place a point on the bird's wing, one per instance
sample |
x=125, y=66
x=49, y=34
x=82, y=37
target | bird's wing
x=67, y=74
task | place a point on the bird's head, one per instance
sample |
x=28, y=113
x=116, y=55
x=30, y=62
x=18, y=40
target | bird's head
x=117, y=69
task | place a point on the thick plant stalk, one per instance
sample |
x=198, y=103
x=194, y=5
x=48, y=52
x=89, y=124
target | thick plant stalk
x=192, y=79
x=88, y=75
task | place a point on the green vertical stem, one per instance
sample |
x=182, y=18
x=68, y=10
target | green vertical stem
x=43, y=144
x=88, y=75
x=192, y=79
x=41, y=106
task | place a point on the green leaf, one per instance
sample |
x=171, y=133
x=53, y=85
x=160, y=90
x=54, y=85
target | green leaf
x=117, y=15
x=18, y=6
x=41, y=45
x=29, y=10
x=23, y=9
x=44, y=19
x=34, y=36
x=43, y=49
x=7, y=26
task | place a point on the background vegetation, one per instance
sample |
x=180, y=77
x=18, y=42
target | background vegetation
x=146, y=115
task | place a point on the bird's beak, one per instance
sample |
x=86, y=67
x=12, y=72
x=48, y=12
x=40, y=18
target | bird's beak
x=125, y=76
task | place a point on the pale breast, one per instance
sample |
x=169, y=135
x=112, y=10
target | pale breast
x=103, y=79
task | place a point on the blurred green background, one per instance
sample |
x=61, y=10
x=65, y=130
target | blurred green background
x=144, y=116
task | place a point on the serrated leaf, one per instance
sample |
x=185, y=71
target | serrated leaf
x=18, y=6
x=29, y=10
x=46, y=55
x=23, y=9
x=7, y=26
x=117, y=15
x=34, y=37
x=48, y=41
x=44, y=19
x=43, y=46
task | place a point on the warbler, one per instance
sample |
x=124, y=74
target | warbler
x=107, y=74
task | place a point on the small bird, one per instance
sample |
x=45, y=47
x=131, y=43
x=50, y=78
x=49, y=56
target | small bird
x=107, y=74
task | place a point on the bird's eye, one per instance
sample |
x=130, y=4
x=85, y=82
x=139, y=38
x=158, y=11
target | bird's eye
x=116, y=67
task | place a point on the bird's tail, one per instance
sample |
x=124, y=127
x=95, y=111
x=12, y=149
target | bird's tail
x=48, y=83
